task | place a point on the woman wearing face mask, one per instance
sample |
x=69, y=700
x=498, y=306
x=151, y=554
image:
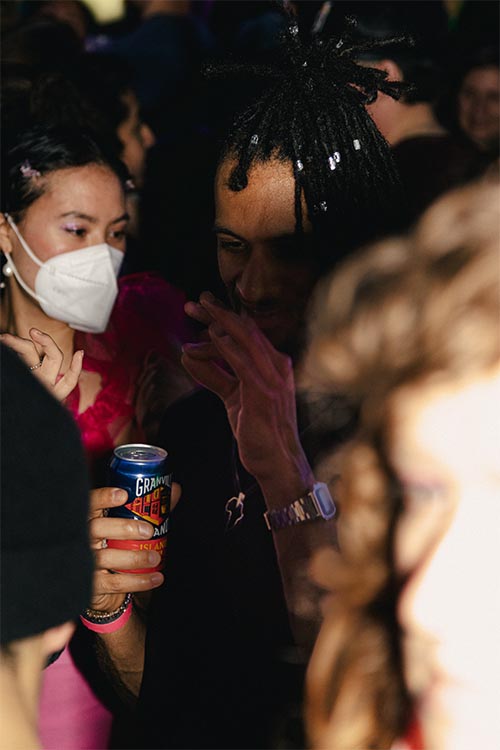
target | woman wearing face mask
x=409, y=656
x=63, y=234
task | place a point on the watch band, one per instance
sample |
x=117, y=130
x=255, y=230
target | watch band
x=318, y=503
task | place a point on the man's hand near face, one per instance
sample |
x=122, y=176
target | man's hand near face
x=256, y=385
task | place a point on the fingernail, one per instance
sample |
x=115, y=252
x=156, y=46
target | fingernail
x=145, y=529
x=118, y=497
x=153, y=558
x=156, y=579
x=35, y=330
x=207, y=298
x=81, y=352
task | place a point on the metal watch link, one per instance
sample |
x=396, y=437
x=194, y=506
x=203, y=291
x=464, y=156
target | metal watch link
x=318, y=503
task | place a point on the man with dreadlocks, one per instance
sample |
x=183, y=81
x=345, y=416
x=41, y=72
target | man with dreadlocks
x=304, y=178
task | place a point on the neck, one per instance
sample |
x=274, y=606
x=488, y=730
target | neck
x=414, y=120
x=19, y=313
x=19, y=693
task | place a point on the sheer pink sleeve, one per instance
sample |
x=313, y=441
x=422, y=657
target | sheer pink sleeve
x=148, y=319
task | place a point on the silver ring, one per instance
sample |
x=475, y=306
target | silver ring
x=35, y=367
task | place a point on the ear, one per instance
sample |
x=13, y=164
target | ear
x=5, y=235
x=56, y=638
x=394, y=72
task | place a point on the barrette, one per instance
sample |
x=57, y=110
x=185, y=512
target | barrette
x=27, y=170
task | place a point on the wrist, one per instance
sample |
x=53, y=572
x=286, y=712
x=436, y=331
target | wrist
x=107, y=602
x=288, y=483
x=314, y=505
x=108, y=622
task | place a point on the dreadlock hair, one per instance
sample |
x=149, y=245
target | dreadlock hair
x=312, y=114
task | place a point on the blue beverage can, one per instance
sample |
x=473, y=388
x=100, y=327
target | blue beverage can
x=142, y=470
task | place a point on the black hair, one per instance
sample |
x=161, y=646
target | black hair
x=90, y=97
x=38, y=151
x=312, y=114
x=412, y=34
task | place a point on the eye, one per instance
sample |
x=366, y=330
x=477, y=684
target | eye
x=230, y=245
x=118, y=234
x=75, y=230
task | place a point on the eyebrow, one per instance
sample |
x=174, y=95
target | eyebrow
x=218, y=229
x=287, y=236
x=92, y=219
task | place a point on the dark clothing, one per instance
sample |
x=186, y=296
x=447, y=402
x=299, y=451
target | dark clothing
x=431, y=165
x=164, y=52
x=219, y=669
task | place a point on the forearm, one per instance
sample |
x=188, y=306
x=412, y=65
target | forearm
x=122, y=656
x=295, y=546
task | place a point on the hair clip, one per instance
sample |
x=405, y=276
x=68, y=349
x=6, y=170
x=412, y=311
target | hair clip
x=27, y=170
x=130, y=184
x=339, y=44
x=323, y=206
x=254, y=139
x=356, y=144
x=299, y=165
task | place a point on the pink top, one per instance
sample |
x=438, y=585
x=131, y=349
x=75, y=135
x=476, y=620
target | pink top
x=147, y=320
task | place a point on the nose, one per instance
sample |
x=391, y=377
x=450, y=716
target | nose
x=257, y=281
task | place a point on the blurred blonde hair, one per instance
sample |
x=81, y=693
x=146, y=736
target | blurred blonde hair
x=397, y=313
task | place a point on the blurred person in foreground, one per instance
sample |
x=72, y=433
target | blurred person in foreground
x=409, y=655
x=46, y=562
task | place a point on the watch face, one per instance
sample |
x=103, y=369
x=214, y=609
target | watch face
x=325, y=502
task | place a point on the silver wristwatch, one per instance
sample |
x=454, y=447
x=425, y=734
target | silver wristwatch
x=318, y=503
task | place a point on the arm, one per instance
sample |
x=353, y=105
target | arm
x=122, y=652
x=259, y=396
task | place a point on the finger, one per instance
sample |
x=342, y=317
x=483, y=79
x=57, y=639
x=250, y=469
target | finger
x=176, y=495
x=106, y=527
x=126, y=559
x=24, y=347
x=50, y=353
x=106, y=497
x=244, y=330
x=201, y=350
x=197, y=312
x=210, y=375
x=69, y=380
x=123, y=583
x=239, y=359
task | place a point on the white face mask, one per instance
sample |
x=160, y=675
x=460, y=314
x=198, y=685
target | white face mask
x=78, y=287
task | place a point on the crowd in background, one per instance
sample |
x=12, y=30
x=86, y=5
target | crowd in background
x=156, y=64
x=250, y=149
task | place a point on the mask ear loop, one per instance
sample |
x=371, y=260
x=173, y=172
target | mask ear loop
x=23, y=242
x=10, y=269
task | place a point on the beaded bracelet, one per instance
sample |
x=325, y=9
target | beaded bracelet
x=108, y=622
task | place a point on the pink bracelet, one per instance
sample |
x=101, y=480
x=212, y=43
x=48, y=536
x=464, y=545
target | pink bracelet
x=109, y=622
